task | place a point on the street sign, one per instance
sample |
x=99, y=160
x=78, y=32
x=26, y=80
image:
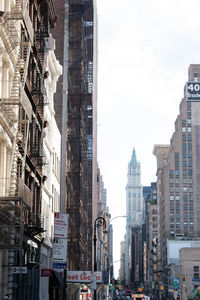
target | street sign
x=175, y=283
x=57, y=265
x=60, y=225
x=19, y=270
x=60, y=250
x=60, y=241
x=193, y=91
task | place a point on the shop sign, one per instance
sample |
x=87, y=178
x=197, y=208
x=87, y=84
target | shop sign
x=84, y=276
x=46, y=272
x=19, y=270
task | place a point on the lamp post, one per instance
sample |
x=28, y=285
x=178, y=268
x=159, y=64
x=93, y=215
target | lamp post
x=174, y=274
x=110, y=255
x=100, y=221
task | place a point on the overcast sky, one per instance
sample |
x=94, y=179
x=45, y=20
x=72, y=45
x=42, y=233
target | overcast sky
x=145, y=49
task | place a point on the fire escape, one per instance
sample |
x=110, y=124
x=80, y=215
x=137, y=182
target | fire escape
x=24, y=34
x=80, y=134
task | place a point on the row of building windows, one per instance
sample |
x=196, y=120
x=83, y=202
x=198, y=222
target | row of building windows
x=172, y=225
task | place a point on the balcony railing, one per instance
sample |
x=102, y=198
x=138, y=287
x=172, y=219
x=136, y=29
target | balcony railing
x=22, y=191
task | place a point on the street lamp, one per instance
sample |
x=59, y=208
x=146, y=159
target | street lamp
x=110, y=256
x=100, y=221
x=171, y=270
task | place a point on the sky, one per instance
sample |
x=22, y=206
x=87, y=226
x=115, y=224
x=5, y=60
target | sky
x=144, y=50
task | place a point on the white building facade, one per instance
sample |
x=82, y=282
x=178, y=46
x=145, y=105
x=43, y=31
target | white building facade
x=51, y=171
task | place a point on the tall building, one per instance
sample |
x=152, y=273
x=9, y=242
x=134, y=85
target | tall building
x=152, y=231
x=51, y=173
x=77, y=25
x=178, y=171
x=24, y=33
x=122, y=263
x=134, y=206
x=104, y=241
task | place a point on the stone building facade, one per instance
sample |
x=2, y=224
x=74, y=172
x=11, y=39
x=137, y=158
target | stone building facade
x=178, y=172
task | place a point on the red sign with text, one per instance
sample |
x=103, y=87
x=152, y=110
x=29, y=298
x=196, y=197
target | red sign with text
x=46, y=272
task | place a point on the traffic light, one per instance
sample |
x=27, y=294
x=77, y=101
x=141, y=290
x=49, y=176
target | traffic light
x=111, y=282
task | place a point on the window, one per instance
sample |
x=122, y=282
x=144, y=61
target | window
x=190, y=172
x=190, y=164
x=177, y=172
x=183, y=138
x=184, y=164
x=176, y=163
x=184, y=197
x=191, y=217
x=183, y=122
x=196, y=269
x=196, y=275
x=191, y=206
x=184, y=146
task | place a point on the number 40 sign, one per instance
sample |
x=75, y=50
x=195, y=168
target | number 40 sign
x=193, y=91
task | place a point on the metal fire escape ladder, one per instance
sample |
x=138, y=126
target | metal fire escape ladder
x=17, y=98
